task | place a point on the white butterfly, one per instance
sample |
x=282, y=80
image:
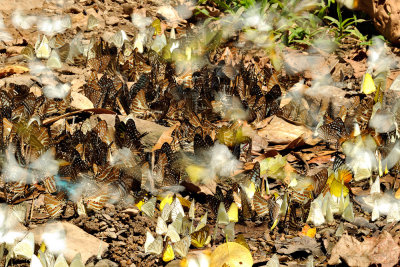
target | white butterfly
x=176, y=209
x=315, y=216
x=42, y=48
x=54, y=237
x=229, y=231
x=77, y=261
x=92, y=22
x=35, y=262
x=19, y=211
x=177, y=223
x=172, y=233
x=274, y=261
x=119, y=38
x=60, y=90
x=140, y=21
x=4, y=35
x=202, y=222
x=182, y=246
x=19, y=20
x=192, y=210
x=161, y=227
x=149, y=207
x=222, y=216
x=154, y=246
x=25, y=247
x=54, y=24
x=54, y=61
x=60, y=261
x=159, y=42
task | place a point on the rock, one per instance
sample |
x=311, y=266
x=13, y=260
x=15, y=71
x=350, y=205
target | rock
x=127, y=8
x=111, y=235
x=76, y=241
x=111, y=21
x=131, y=211
x=9, y=5
x=107, y=217
x=106, y=263
x=385, y=15
x=90, y=227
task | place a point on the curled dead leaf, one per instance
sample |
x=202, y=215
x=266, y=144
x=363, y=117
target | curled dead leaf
x=11, y=70
x=278, y=131
x=380, y=250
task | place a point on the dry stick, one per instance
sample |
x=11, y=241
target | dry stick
x=94, y=110
x=31, y=212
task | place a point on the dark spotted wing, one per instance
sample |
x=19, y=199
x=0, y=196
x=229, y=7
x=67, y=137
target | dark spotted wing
x=6, y=104
x=255, y=175
x=246, y=207
x=199, y=145
x=332, y=132
x=319, y=182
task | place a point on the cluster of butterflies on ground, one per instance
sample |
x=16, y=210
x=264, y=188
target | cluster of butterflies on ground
x=186, y=101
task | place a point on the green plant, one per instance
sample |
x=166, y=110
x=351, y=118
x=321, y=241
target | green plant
x=344, y=27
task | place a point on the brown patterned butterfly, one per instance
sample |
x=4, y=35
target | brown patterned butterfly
x=332, y=132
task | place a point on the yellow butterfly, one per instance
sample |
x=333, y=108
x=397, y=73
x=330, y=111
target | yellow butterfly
x=168, y=254
x=167, y=199
x=157, y=27
x=233, y=213
x=201, y=237
x=368, y=85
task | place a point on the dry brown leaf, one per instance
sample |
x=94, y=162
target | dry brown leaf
x=381, y=250
x=297, y=244
x=278, y=131
x=79, y=101
x=11, y=70
x=165, y=137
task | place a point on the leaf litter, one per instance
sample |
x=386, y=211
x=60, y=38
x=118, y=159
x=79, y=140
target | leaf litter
x=194, y=187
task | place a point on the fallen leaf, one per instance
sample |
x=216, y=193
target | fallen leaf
x=11, y=70
x=297, y=244
x=308, y=231
x=380, y=250
x=165, y=137
x=278, y=131
x=231, y=254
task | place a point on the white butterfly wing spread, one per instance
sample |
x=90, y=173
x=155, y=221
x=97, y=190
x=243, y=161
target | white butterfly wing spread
x=25, y=247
